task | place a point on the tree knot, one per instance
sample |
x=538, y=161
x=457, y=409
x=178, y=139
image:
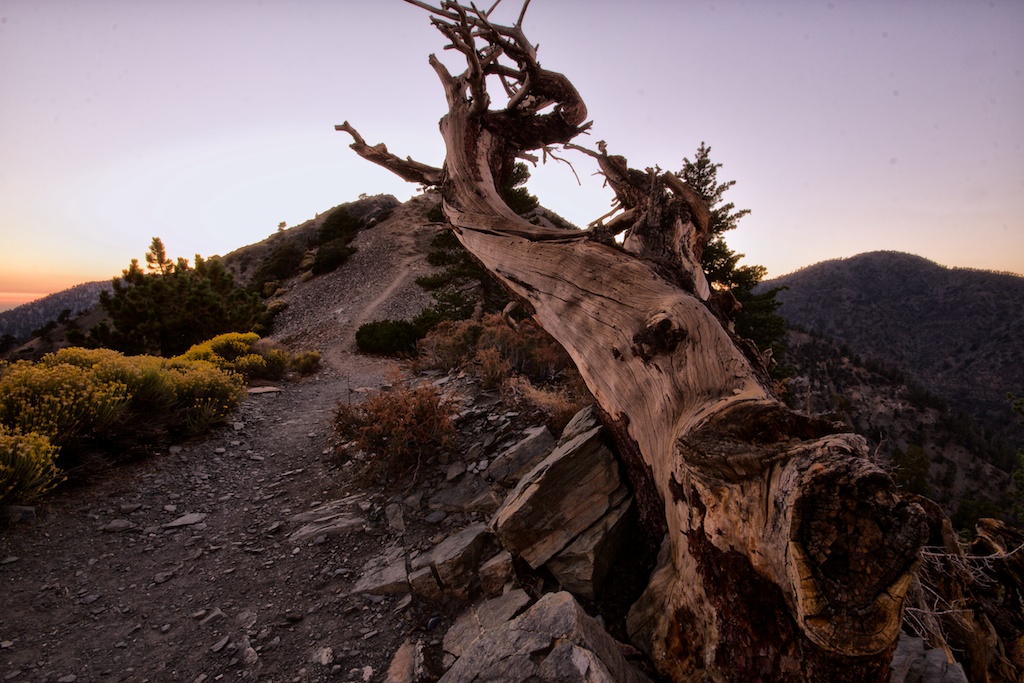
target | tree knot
x=660, y=335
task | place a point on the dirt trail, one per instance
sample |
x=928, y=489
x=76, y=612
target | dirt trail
x=178, y=567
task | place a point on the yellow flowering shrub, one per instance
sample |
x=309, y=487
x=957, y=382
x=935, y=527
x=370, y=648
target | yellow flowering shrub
x=62, y=401
x=204, y=393
x=27, y=469
x=77, y=393
x=143, y=375
x=245, y=353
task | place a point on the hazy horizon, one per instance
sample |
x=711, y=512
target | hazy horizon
x=848, y=127
x=10, y=300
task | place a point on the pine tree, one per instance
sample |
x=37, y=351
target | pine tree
x=174, y=306
x=757, y=320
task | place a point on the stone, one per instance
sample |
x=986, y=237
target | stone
x=436, y=517
x=396, y=521
x=455, y=470
x=585, y=564
x=385, y=574
x=408, y=665
x=422, y=582
x=912, y=663
x=456, y=558
x=472, y=493
x=581, y=422
x=264, y=390
x=510, y=466
x=215, y=615
x=324, y=656
x=555, y=640
x=495, y=573
x=331, y=519
x=163, y=577
x=116, y=526
x=569, y=491
x=186, y=520
x=483, y=617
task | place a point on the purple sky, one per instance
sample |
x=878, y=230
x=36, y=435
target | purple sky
x=848, y=126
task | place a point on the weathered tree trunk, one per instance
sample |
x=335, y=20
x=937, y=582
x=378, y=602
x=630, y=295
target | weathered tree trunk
x=787, y=554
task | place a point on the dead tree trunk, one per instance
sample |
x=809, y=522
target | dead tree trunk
x=787, y=553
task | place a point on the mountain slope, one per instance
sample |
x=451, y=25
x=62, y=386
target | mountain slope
x=19, y=322
x=958, y=332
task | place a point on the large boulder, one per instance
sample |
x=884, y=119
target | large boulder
x=563, y=496
x=588, y=562
x=555, y=640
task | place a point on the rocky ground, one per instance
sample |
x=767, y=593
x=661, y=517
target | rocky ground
x=184, y=566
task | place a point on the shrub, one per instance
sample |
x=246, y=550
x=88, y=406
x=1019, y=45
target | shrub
x=27, y=468
x=388, y=337
x=143, y=376
x=398, y=429
x=275, y=358
x=558, y=404
x=529, y=351
x=62, y=402
x=492, y=368
x=331, y=255
x=449, y=345
x=244, y=353
x=204, y=394
x=274, y=308
x=306, y=363
x=282, y=263
x=339, y=225
x=436, y=214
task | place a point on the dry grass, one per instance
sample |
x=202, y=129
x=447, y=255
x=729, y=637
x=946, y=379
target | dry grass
x=396, y=431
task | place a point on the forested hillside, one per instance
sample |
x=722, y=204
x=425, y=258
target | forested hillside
x=957, y=332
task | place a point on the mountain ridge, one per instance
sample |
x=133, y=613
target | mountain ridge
x=959, y=332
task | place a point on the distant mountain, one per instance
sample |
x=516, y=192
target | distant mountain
x=19, y=322
x=958, y=332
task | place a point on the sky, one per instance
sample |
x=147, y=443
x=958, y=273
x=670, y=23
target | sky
x=848, y=126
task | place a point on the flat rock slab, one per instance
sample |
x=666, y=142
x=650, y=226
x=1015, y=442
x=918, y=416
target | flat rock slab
x=555, y=640
x=481, y=618
x=584, y=566
x=408, y=666
x=330, y=519
x=912, y=662
x=385, y=574
x=186, y=520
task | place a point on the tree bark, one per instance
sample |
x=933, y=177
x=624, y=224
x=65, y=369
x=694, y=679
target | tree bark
x=787, y=554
